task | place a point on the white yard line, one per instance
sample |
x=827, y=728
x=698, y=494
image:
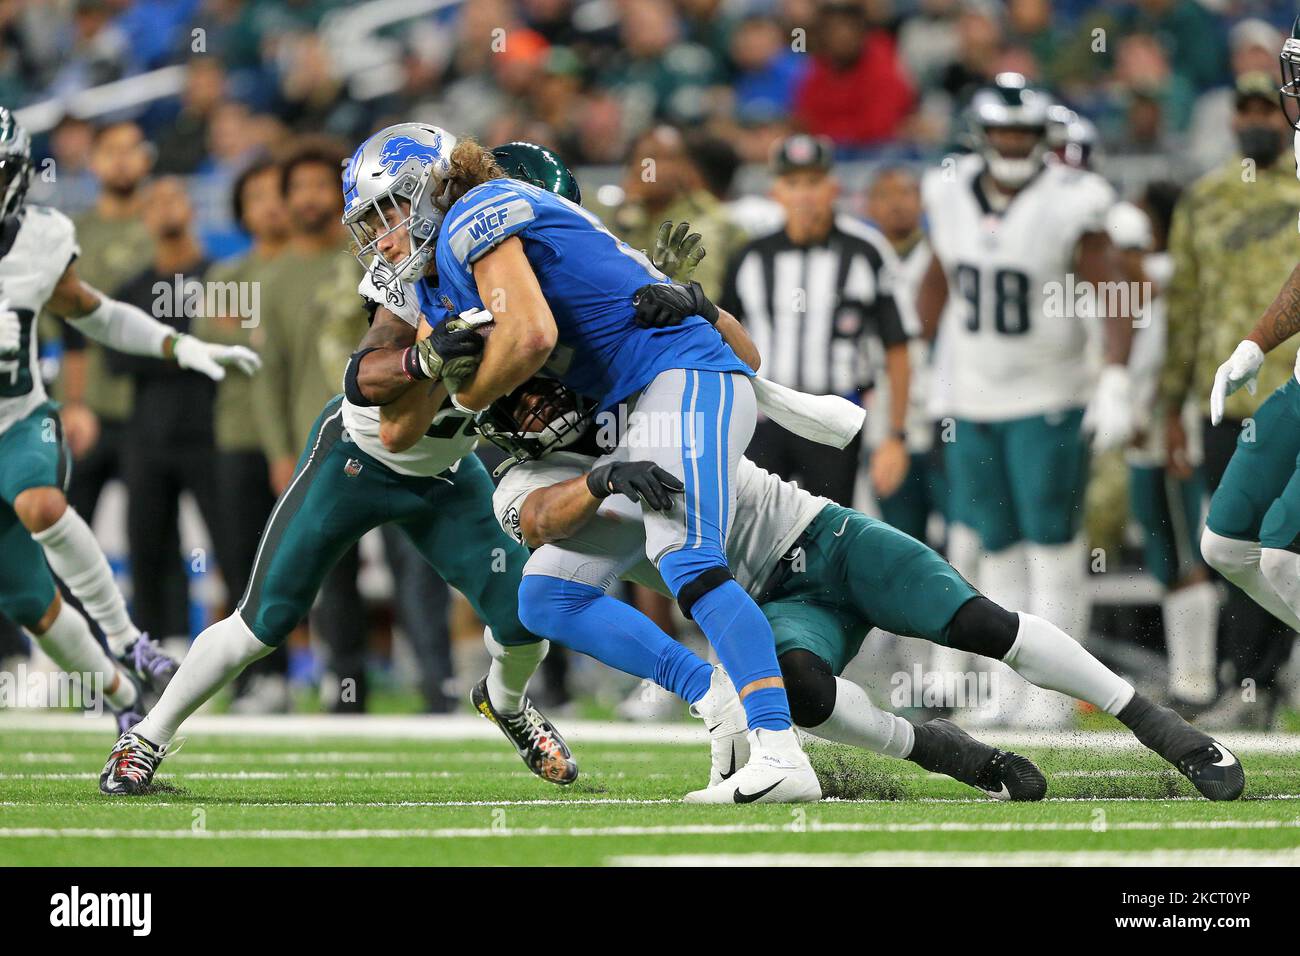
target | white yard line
x=467, y=727
x=506, y=756
x=683, y=829
x=1204, y=857
x=265, y=775
x=592, y=801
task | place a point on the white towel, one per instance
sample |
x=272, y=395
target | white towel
x=825, y=419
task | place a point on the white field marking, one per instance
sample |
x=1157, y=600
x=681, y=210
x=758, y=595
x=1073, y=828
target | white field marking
x=267, y=775
x=1203, y=857
x=681, y=829
x=1148, y=774
x=385, y=804
x=337, y=756
x=595, y=801
x=455, y=727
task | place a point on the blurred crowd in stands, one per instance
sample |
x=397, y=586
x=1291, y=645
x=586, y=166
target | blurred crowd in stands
x=588, y=77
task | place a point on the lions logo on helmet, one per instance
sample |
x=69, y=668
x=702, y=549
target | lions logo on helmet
x=396, y=151
x=398, y=178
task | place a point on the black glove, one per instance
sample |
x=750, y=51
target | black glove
x=638, y=480
x=427, y=357
x=663, y=304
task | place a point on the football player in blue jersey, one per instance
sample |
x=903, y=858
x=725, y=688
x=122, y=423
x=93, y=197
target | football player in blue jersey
x=561, y=290
x=387, y=451
x=366, y=465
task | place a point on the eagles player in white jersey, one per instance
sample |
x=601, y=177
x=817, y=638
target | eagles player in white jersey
x=1252, y=534
x=1011, y=232
x=39, y=532
x=824, y=575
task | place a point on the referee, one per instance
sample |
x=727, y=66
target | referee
x=816, y=296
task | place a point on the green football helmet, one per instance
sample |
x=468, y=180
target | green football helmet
x=1289, y=91
x=538, y=165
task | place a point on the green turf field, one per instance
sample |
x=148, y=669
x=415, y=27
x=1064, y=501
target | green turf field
x=355, y=800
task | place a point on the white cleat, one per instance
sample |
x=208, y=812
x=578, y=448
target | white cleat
x=778, y=771
x=724, y=719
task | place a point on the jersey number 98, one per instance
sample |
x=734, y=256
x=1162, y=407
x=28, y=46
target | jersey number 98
x=1010, y=299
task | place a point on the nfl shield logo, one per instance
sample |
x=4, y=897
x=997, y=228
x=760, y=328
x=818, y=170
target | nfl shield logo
x=352, y=468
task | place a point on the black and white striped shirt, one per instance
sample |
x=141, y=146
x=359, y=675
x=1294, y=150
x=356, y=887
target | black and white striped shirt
x=812, y=310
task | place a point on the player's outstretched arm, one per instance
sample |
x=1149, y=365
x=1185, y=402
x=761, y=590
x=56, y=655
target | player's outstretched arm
x=126, y=328
x=524, y=333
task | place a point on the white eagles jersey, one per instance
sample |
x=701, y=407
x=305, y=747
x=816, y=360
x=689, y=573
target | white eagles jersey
x=770, y=516
x=36, y=247
x=451, y=436
x=1016, y=343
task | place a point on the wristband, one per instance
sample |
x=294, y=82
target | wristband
x=411, y=366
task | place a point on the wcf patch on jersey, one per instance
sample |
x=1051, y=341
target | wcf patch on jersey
x=488, y=223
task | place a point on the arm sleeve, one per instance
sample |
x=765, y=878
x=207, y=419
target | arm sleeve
x=124, y=328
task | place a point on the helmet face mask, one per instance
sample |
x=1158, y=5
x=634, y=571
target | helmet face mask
x=537, y=418
x=397, y=179
x=1289, y=91
x=1011, y=105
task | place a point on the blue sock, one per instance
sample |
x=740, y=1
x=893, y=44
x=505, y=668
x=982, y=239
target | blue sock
x=588, y=620
x=742, y=636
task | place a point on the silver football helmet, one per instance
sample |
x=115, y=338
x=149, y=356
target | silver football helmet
x=1010, y=103
x=15, y=163
x=407, y=163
